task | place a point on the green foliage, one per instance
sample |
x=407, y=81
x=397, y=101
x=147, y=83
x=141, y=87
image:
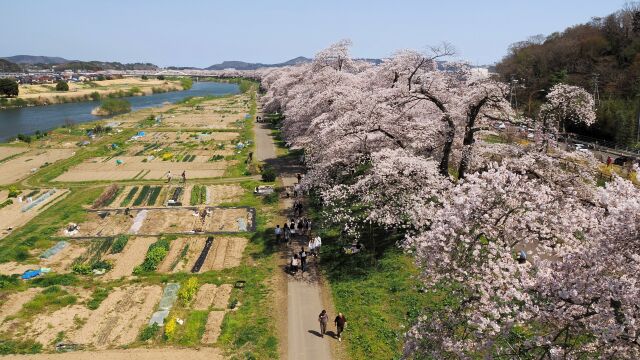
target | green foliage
x=54, y=279
x=62, y=86
x=170, y=328
x=81, y=269
x=8, y=282
x=11, y=346
x=186, y=83
x=6, y=203
x=144, y=77
x=149, y=332
x=142, y=196
x=188, y=290
x=217, y=157
x=119, y=243
x=50, y=299
x=24, y=138
x=153, y=196
x=160, y=77
x=114, y=106
x=268, y=174
x=8, y=87
x=130, y=195
x=156, y=253
x=270, y=198
x=14, y=192
x=198, y=195
x=97, y=297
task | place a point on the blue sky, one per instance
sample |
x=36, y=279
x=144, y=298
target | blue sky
x=201, y=33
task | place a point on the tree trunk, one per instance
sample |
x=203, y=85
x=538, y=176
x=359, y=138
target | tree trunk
x=448, y=145
x=468, y=140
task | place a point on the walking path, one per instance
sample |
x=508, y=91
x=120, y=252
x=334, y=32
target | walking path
x=304, y=301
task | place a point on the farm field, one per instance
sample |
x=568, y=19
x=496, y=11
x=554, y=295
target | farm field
x=94, y=266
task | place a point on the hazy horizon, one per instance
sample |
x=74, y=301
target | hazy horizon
x=200, y=34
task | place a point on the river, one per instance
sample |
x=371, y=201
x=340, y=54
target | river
x=28, y=120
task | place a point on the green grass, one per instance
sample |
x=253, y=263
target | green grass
x=191, y=332
x=49, y=300
x=97, y=297
x=43, y=230
x=153, y=196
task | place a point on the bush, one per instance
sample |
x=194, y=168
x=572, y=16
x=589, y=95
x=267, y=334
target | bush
x=8, y=87
x=268, y=174
x=186, y=83
x=188, y=290
x=160, y=77
x=149, y=332
x=119, y=244
x=24, y=138
x=7, y=281
x=14, y=192
x=144, y=77
x=62, y=86
x=114, y=106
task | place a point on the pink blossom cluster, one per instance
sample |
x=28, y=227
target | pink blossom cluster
x=381, y=144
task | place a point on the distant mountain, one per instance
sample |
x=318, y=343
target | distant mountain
x=9, y=67
x=241, y=65
x=30, y=59
x=102, y=65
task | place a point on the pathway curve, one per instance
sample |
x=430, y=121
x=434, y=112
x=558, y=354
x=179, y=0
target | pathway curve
x=304, y=301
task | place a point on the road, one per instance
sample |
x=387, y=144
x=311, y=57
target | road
x=304, y=301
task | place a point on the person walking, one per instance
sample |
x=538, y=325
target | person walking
x=168, y=175
x=317, y=242
x=609, y=161
x=184, y=176
x=278, y=232
x=299, y=176
x=323, y=318
x=303, y=259
x=341, y=323
x=287, y=233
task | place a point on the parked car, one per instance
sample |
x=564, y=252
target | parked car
x=621, y=160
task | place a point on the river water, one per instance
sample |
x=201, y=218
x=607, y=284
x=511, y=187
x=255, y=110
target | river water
x=30, y=119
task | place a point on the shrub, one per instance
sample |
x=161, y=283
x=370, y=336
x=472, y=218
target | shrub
x=268, y=174
x=24, y=138
x=14, y=192
x=62, y=86
x=188, y=290
x=7, y=281
x=144, y=77
x=156, y=253
x=135, y=90
x=186, y=83
x=8, y=87
x=160, y=77
x=114, y=106
x=149, y=332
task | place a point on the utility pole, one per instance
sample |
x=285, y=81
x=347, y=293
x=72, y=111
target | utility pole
x=596, y=91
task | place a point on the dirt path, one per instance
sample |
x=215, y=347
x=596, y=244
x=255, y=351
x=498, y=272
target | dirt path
x=138, y=354
x=304, y=300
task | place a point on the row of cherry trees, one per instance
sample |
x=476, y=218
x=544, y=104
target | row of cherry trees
x=400, y=144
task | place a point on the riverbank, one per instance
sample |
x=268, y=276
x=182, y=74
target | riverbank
x=45, y=94
x=29, y=120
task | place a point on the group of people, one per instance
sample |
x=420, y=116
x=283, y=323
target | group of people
x=291, y=229
x=340, y=321
x=169, y=176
